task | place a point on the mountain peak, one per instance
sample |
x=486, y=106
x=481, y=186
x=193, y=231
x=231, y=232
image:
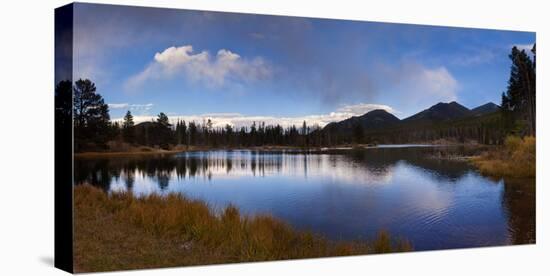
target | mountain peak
x=377, y=112
x=441, y=104
x=373, y=119
x=487, y=108
x=489, y=104
x=441, y=112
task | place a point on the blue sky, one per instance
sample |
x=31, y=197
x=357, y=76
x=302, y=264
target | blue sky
x=238, y=68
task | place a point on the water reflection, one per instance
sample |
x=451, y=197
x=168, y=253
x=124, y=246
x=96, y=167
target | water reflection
x=434, y=202
x=368, y=167
x=519, y=202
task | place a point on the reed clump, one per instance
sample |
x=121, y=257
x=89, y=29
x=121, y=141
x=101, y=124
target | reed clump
x=516, y=158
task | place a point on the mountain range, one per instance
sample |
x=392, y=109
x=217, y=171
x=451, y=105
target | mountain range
x=380, y=120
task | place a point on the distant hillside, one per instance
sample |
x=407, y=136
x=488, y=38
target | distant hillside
x=441, y=121
x=439, y=112
x=372, y=120
x=146, y=125
x=485, y=109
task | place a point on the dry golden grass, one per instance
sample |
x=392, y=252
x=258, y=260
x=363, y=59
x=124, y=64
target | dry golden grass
x=517, y=158
x=119, y=231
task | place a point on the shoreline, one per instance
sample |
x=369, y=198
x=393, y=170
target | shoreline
x=152, y=151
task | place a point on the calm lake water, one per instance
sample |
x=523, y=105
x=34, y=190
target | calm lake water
x=344, y=194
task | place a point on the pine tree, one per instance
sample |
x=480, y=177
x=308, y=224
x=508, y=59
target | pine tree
x=519, y=98
x=228, y=134
x=162, y=120
x=181, y=132
x=91, y=115
x=163, y=135
x=193, y=133
x=128, y=128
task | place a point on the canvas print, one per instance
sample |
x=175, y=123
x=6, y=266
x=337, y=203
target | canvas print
x=200, y=137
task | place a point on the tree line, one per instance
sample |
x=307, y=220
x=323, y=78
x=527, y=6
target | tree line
x=162, y=133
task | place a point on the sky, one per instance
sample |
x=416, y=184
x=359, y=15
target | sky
x=239, y=68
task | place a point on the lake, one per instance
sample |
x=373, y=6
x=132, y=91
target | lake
x=414, y=192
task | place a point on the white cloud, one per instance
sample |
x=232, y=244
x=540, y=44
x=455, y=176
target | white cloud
x=141, y=109
x=239, y=120
x=215, y=71
x=412, y=85
x=437, y=82
x=118, y=105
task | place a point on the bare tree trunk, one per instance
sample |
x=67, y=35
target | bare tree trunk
x=530, y=100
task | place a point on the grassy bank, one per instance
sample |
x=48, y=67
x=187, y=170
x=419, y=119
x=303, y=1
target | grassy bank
x=516, y=158
x=119, y=231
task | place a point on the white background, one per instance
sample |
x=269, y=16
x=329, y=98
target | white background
x=26, y=136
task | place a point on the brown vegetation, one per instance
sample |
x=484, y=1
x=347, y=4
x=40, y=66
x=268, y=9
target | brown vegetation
x=517, y=158
x=120, y=231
